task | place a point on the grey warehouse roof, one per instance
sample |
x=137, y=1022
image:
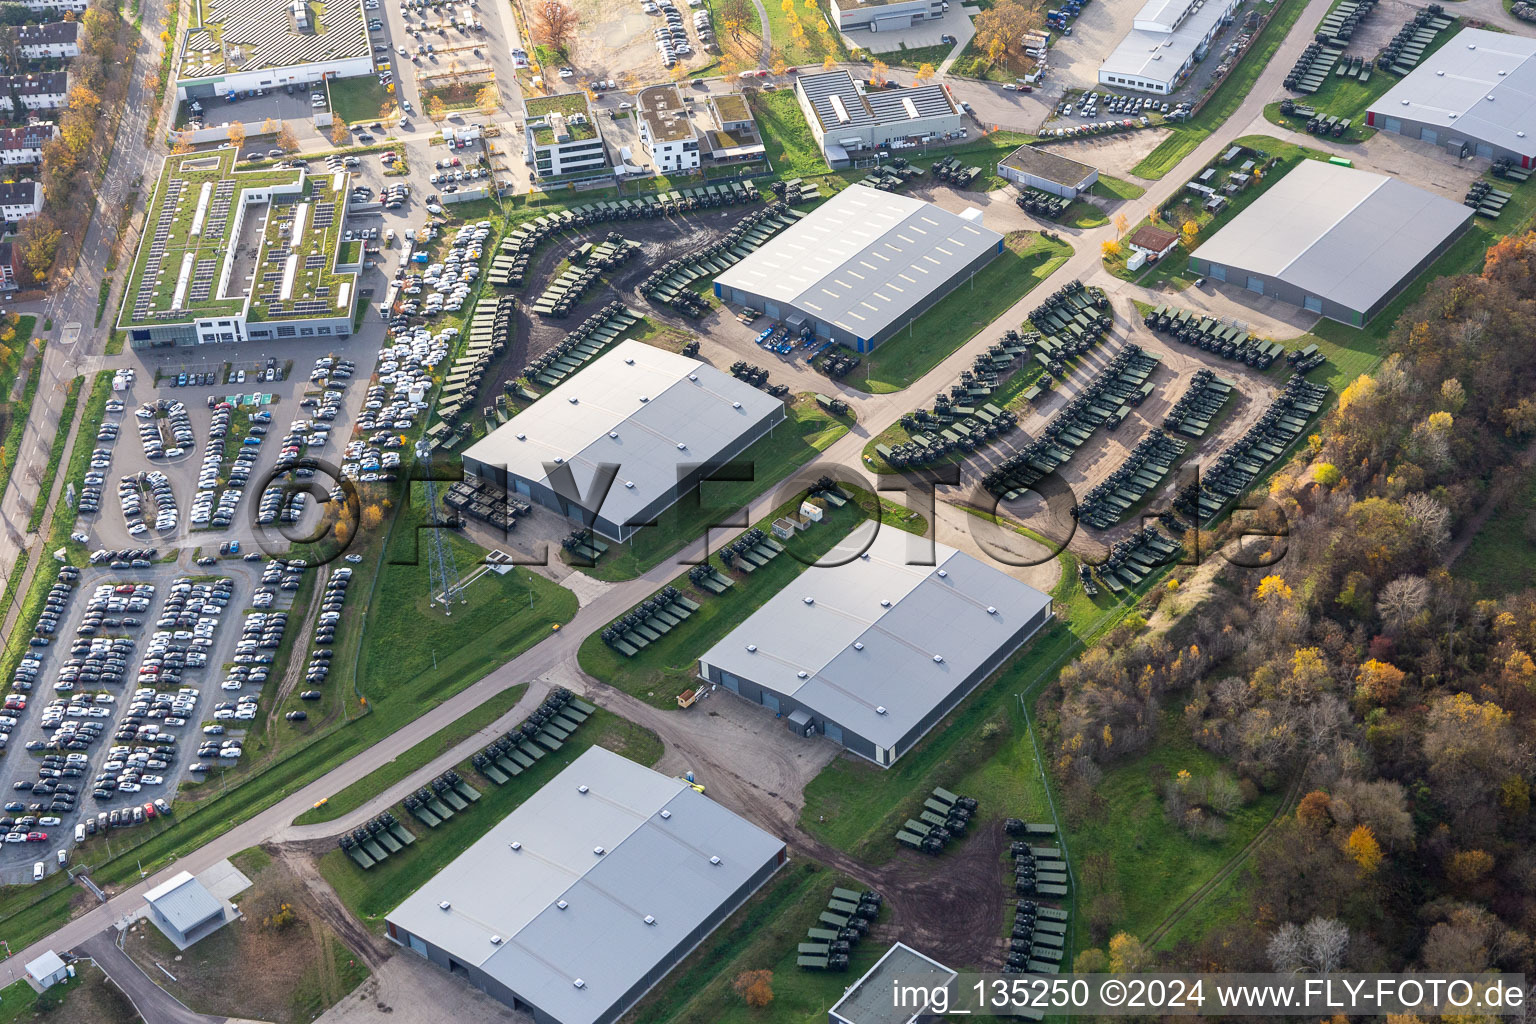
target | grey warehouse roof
x=923, y=630
x=1159, y=56
x=1051, y=166
x=657, y=836
x=1481, y=84
x=183, y=902
x=1339, y=233
x=643, y=409
x=863, y=259
x=868, y=1000
x=839, y=103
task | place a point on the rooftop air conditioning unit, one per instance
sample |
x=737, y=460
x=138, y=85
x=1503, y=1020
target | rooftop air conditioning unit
x=599, y=850
x=715, y=861
x=516, y=845
x=752, y=648
x=880, y=710
x=495, y=940
x=579, y=983
x=938, y=658
x=561, y=904
x=858, y=645
x=444, y=905
x=629, y=484
x=943, y=573
x=650, y=919
x=666, y=813
x=991, y=610
x=810, y=600
x=613, y=433
x=581, y=789
x=802, y=674
x=884, y=603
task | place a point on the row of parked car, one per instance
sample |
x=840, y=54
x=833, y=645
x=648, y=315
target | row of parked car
x=131, y=493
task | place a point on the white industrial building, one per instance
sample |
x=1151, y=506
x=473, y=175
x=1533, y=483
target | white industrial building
x=242, y=45
x=666, y=132
x=862, y=266
x=1475, y=96
x=850, y=124
x=561, y=138
x=873, y=647
x=1167, y=39
x=623, y=439
x=1037, y=167
x=578, y=902
x=185, y=911
x=884, y=15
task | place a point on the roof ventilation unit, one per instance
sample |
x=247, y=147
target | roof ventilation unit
x=613, y=433
x=810, y=600
x=581, y=789
x=880, y=710
x=1521, y=134
x=802, y=674
x=559, y=459
x=629, y=484
x=858, y=645
x=991, y=610
x=649, y=919
x=516, y=845
x=579, y=983
x=693, y=376
x=715, y=861
x=645, y=398
x=444, y=905
x=751, y=648
x=572, y=399
x=628, y=361
x=943, y=573
x=522, y=437
x=495, y=940
x=864, y=555
x=735, y=405
x=885, y=603
x=1440, y=74
x=561, y=904
x=938, y=659
x=599, y=850
x=681, y=446
x=666, y=813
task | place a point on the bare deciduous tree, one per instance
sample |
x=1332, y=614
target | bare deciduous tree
x=1402, y=599
x=554, y=23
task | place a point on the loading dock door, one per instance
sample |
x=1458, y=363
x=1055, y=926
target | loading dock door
x=1256, y=284
x=770, y=702
x=1394, y=124
x=1430, y=136
x=833, y=732
x=1218, y=271
x=1484, y=151
x=1312, y=303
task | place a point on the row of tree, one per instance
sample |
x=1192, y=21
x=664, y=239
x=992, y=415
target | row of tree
x=1359, y=670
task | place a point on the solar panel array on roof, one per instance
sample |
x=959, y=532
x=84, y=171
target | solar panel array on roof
x=849, y=110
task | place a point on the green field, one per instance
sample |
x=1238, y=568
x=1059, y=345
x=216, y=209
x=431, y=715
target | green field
x=664, y=668
x=1183, y=138
x=807, y=430
x=790, y=146
x=440, y=742
x=1502, y=556
x=359, y=100
x=371, y=894
x=1026, y=260
x=1110, y=187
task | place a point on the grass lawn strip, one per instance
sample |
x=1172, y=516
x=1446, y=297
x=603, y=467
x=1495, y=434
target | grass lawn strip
x=55, y=454
x=1027, y=259
x=663, y=669
x=440, y=742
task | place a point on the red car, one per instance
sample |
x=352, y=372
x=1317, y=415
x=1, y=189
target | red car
x=149, y=809
x=37, y=837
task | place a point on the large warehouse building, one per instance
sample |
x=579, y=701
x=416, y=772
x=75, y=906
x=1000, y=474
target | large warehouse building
x=862, y=266
x=872, y=653
x=1475, y=96
x=850, y=124
x=587, y=894
x=623, y=439
x=1333, y=240
x=231, y=256
x=266, y=44
x=1167, y=39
